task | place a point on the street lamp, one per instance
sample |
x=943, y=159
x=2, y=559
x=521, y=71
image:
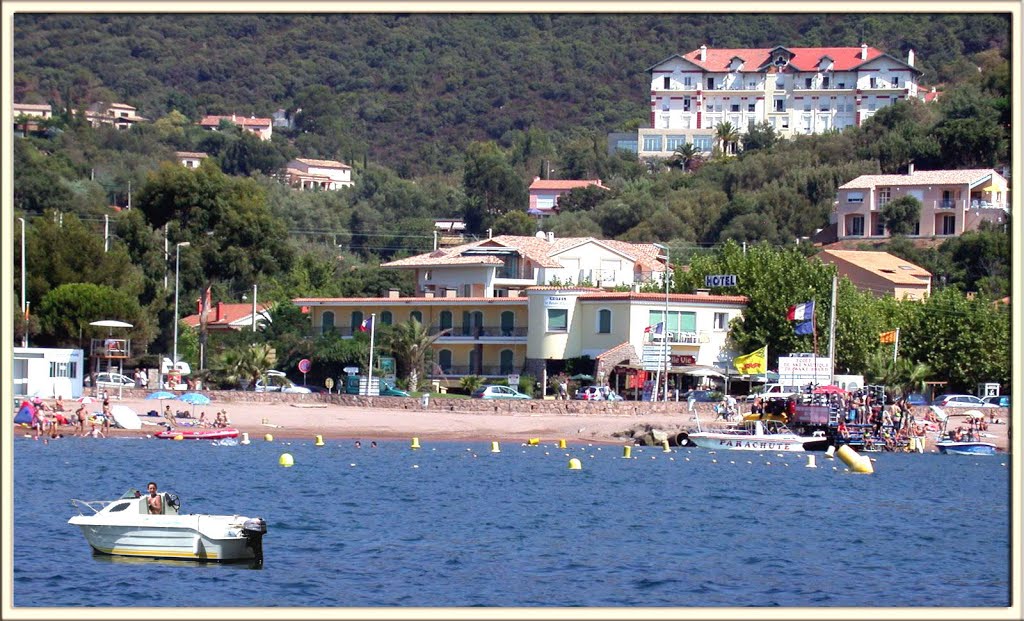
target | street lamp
x=664, y=338
x=177, y=258
x=24, y=336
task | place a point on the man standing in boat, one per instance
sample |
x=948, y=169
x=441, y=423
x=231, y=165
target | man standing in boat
x=153, y=500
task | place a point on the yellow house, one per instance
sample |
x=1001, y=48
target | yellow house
x=880, y=273
x=498, y=314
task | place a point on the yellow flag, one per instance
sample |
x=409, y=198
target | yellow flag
x=753, y=363
x=887, y=337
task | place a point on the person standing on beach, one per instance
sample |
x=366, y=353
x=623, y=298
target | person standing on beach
x=563, y=389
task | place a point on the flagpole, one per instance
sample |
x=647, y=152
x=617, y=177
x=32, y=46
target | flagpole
x=814, y=338
x=896, y=346
x=832, y=334
x=369, y=367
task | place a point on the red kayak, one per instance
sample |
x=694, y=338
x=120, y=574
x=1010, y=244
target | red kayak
x=199, y=434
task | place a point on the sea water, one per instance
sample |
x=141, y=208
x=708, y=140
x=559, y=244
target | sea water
x=455, y=524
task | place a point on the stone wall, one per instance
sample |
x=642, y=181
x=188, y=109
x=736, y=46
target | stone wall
x=449, y=404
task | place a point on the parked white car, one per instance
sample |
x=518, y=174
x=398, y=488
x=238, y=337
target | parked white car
x=276, y=381
x=961, y=401
x=113, y=380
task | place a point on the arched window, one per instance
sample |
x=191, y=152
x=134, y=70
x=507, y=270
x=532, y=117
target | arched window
x=444, y=360
x=474, y=363
x=506, y=361
x=478, y=323
x=327, y=322
x=386, y=318
x=604, y=321
x=446, y=320
x=357, y=321
x=508, y=323
x=418, y=316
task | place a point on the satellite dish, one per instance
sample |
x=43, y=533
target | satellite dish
x=541, y=235
x=110, y=323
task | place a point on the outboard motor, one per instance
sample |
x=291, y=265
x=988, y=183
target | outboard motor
x=253, y=530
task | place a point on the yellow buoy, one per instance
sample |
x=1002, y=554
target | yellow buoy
x=245, y=437
x=575, y=464
x=179, y=437
x=857, y=463
x=534, y=441
x=286, y=460
x=665, y=449
x=319, y=441
x=269, y=437
x=627, y=451
x=561, y=444
x=810, y=462
x=495, y=448
x=415, y=443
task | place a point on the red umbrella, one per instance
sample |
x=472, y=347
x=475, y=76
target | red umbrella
x=829, y=389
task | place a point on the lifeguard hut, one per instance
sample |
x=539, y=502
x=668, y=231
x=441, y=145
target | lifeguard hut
x=109, y=353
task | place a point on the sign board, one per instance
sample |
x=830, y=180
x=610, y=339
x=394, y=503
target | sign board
x=304, y=365
x=513, y=380
x=720, y=280
x=351, y=370
x=654, y=357
x=374, y=387
x=329, y=383
x=556, y=301
x=800, y=370
x=386, y=364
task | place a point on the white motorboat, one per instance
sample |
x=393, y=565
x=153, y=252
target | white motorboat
x=124, y=527
x=754, y=433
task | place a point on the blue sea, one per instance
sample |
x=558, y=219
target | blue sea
x=455, y=524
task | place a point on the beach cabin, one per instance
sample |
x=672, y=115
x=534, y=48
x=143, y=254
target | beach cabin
x=48, y=373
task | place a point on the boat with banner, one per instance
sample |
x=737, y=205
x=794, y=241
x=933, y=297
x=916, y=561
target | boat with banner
x=756, y=432
x=124, y=527
x=216, y=433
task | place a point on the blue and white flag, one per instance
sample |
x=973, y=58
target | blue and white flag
x=801, y=312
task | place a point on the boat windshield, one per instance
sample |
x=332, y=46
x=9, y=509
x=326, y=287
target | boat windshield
x=131, y=493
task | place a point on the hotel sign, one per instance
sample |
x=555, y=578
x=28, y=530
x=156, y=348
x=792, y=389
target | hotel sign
x=556, y=301
x=720, y=280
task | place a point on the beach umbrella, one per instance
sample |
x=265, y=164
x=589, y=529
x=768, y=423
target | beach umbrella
x=195, y=399
x=85, y=400
x=974, y=414
x=124, y=417
x=582, y=377
x=161, y=395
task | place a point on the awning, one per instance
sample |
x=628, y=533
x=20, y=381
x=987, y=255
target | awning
x=703, y=371
x=991, y=188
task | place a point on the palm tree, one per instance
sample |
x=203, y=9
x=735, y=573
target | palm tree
x=727, y=136
x=410, y=344
x=250, y=363
x=683, y=156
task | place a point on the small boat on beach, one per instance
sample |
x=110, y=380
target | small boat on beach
x=755, y=433
x=216, y=433
x=124, y=527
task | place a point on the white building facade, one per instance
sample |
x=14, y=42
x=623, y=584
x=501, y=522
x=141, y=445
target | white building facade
x=798, y=91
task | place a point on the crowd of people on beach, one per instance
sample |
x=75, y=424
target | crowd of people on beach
x=50, y=421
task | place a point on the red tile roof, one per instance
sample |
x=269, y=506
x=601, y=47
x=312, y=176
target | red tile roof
x=215, y=119
x=564, y=184
x=229, y=314
x=804, y=58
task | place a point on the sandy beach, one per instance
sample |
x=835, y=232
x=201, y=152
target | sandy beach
x=336, y=422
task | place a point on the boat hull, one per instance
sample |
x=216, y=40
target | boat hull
x=739, y=442
x=966, y=448
x=198, y=434
x=200, y=538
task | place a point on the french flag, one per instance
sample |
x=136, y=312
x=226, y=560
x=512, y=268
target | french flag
x=656, y=328
x=801, y=312
x=366, y=325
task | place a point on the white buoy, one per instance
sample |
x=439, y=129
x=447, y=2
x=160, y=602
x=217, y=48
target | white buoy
x=830, y=452
x=810, y=462
x=245, y=437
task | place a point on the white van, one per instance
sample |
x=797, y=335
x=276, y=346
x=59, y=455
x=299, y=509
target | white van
x=774, y=390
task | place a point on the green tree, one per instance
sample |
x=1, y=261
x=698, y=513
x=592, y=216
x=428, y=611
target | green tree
x=760, y=136
x=515, y=223
x=901, y=214
x=412, y=346
x=490, y=182
x=66, y=311
x=684, y=156
x=727, y=137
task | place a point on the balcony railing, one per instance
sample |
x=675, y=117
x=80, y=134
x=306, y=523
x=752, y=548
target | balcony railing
x=492, y=370
x=457, y=331
x=680, y=337
x=480, y=331
x=515, y=274
x=948, y=203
